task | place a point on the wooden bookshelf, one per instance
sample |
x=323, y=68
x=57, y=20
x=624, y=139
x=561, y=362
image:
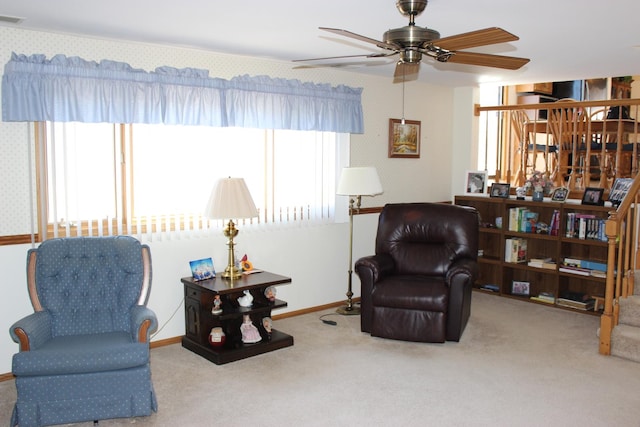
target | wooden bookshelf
x=494, y=270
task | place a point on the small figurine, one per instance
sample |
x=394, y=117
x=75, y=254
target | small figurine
x=246, y=300
x=250, y=334
x=217, y=305
x=266, y=324
x=246, y=264
x=270, y=293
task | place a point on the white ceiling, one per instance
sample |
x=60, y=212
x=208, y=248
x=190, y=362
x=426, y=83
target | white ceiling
x=565, y=39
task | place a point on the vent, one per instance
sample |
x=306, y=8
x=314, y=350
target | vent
x=11, y=19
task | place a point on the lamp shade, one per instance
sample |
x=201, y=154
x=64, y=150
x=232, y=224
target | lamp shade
x=230, y=199
x=359, y=181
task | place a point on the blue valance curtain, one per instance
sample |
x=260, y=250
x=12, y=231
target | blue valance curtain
x=65, y=89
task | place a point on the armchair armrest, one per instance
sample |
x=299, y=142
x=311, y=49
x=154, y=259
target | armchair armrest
x=370, y=270
x=460, y=279
x=32, y=331
x=462, y=270
x=143, y=323
x=374, y=266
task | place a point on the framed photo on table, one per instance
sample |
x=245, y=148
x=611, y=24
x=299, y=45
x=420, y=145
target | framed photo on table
x=404, y=138
x=202, y=269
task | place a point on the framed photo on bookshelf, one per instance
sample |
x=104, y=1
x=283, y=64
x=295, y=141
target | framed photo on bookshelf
x=475, y=182
x=499, y=190
x=560, y=194
x=520, y=288
x=619, y=190
x=593, y=196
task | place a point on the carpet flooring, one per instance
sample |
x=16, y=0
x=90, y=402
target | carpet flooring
x=517, y=364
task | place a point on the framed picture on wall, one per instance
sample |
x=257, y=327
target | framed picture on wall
x=404, y=138
x=475, y=182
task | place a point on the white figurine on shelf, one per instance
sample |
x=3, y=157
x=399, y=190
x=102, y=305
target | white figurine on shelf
x=246, y=300
x=250, y=334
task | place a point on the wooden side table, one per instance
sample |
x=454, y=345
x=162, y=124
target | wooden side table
x=199, y=320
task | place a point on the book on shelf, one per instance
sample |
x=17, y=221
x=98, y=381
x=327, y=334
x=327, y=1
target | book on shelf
x=542, y=263
x=584, y=267
x=554, y=226
x=515, y=217
x=515, y=250
x=575, y=270
x=585, y=226
x=545, y=297
x=490, y=287
x=529, y=222
x=578, y=305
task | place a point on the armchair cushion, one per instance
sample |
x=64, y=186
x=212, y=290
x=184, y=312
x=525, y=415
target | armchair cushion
x=79, y=354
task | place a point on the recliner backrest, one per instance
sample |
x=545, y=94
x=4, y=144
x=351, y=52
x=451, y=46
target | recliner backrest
x=88, y=284
x=426, y=238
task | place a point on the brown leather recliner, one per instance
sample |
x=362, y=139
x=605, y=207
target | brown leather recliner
x=417, y=287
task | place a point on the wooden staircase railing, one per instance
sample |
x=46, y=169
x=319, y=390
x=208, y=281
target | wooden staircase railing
x=591, y=152
x=622, y=235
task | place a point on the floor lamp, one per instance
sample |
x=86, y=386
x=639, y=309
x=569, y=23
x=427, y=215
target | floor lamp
x=229, y=199
x=355, y=183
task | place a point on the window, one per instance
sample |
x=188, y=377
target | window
x=103, y=179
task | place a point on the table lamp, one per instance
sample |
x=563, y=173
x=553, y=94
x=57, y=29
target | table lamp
x=356, y=182
x=230, y=199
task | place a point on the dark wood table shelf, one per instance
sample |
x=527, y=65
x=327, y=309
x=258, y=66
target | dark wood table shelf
x=199, y=297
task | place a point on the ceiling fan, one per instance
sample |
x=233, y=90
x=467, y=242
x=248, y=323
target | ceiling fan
x=411, y=42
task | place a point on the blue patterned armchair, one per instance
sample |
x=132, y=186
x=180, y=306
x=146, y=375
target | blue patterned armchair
x=84, y=352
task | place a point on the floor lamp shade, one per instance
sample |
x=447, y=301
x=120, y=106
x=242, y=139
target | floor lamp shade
x=230, y=199
x=359, y=181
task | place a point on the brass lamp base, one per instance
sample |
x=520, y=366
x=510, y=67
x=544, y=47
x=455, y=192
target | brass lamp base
x=231, y=272
x=348, y=311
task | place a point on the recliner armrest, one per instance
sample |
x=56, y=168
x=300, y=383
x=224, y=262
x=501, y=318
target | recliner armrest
x=32, y=331
x=378, y=265
x=466, y=267
x=143, y=323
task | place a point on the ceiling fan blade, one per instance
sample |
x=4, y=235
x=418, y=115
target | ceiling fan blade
x=487, y=60
x=349, y=34
x=471, y=39
x=406, y=71
x=371, y=55
x=348, y=64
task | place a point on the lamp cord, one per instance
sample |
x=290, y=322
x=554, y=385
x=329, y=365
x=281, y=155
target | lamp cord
x=168, y=320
